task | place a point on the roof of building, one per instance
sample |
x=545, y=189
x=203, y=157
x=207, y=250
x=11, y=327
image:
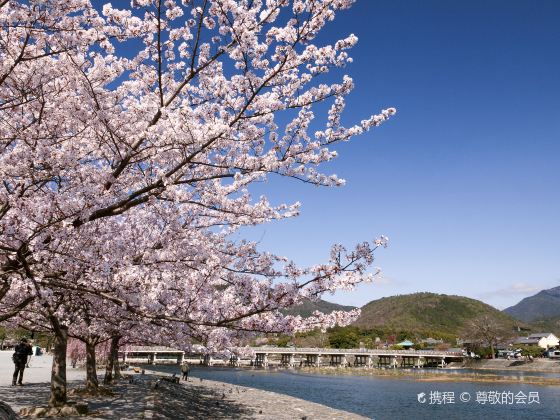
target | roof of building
x=431, y=340
x=527, y=340
x=540, y=335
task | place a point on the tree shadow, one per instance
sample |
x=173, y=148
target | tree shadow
x=17, y=397
x=174, y=401
x=171, y=401
x=128, y=401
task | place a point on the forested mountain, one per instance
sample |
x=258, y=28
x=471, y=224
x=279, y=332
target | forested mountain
x=308, y=307
x=545, y=305
x=428, y=314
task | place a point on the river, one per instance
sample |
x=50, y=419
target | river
x=389, y=398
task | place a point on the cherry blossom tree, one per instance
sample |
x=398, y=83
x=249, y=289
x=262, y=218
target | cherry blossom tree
x=130, y=141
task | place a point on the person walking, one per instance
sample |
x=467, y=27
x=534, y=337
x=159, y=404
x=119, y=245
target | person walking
x=185, y=371
x=22, y=350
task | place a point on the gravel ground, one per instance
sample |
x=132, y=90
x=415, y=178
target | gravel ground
x=205, y=399
x=149, y=398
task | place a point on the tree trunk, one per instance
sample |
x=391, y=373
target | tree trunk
x=92, y=383
x=117, y=369
x=117, y=365
x=492, y=350
x=58, y=373
x=112, y=359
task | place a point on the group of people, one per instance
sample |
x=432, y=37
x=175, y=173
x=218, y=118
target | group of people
x=22, y=351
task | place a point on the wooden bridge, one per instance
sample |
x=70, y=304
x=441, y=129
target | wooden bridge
x=293, y=357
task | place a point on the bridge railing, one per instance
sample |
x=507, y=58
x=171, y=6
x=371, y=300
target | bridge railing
x=365, y=352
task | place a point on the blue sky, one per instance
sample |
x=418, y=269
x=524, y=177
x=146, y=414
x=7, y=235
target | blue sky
x=464, y=179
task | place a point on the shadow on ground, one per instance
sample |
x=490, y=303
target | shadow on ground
x=18, y=397
x=170, y=401
x=173, y=401
x=128, y=401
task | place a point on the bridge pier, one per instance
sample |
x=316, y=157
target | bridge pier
x=408, y=361
x=261, y=359
x=360, y=360
x=288, y=360
x=338, y=360
x=313, y=360
x=207, y=361
x=384, y=361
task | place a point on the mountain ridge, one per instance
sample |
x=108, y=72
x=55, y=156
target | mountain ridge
x=307, y=308
x=429, y=313
x=542, y=306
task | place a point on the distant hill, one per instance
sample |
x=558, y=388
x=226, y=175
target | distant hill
x=547, y=325
x=308, y=307
x=545, y=305
x=428, y=313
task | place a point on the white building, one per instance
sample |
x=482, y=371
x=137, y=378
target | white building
x=543, y=340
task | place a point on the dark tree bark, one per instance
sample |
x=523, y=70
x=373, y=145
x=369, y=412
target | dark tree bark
x=92, y=382
x=117, y=369
x=58, y=372
x=112, y=360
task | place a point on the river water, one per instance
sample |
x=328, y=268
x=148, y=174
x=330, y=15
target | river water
x=392, y=398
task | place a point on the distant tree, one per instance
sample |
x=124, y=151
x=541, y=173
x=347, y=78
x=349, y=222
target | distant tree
x=368, y=342
x=344, y=337
x=404, y=335
x=533, y=351
x=283, y=340
x=486, y=331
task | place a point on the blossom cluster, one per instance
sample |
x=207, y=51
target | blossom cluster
x=130, y=139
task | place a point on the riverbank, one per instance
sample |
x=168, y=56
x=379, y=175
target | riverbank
x=148, y=397
x=206, y=399
x=535, y=365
